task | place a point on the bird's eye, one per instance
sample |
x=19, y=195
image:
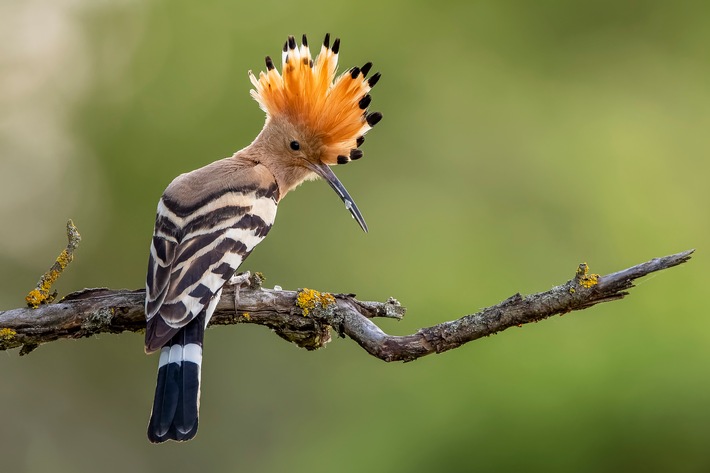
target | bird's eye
x=295, y=145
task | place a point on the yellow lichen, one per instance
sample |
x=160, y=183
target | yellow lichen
x=310, y=299
x=34, y=298
x=584, y=278
x=7, y=334
x=246, y=315
x=64, y=259
x=589, y=281
x=571, y=290
x=41, y=294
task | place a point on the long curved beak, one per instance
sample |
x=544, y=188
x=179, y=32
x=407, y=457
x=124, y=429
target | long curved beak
x=323, y=170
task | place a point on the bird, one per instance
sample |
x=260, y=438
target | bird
x=210, y=219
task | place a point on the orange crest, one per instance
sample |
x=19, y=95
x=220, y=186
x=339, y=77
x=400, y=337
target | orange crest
x=308, y=94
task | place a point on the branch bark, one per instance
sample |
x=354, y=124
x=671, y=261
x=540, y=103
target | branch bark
x=304, y=317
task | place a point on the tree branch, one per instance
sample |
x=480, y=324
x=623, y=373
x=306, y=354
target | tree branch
x=305, y=316
x=41, y=293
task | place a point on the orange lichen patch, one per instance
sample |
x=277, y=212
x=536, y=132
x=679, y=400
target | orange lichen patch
x=584, y=278
x=310, y=299
x=310, y=95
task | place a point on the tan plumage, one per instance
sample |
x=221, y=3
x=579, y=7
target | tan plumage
x=209, y=220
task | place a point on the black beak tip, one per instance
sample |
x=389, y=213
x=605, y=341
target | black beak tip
x=355, y=212
x=363, y=225
x=324, y=171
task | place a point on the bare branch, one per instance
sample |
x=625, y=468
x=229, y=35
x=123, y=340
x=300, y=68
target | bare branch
x=304, y=317
x=579, y=293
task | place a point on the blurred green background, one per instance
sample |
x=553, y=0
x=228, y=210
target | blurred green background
x=519, y=139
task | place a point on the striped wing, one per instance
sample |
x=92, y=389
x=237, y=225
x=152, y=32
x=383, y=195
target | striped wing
x=197, y=246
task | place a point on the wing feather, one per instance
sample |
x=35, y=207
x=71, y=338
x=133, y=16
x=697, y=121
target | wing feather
x=196, y=249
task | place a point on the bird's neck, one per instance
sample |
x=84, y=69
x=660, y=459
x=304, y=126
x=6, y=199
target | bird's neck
x=288, y=172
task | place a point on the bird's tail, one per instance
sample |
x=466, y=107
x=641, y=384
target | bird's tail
x=177, y=394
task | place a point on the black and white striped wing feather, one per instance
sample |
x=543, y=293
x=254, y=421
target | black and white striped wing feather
x=196, y=248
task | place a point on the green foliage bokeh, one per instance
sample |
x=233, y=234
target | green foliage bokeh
x=519, y=139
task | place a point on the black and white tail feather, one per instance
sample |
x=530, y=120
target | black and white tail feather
x=177, y=393
x=200, y=239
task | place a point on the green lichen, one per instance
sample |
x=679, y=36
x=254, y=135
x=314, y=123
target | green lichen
x=98, y=321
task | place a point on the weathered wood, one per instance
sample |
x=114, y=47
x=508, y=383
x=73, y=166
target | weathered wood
x=580, y=292
x=304, y=317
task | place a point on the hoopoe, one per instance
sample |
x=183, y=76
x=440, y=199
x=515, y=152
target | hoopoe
x=210, y=219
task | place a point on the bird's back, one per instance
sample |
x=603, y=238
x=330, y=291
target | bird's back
x=207, y=223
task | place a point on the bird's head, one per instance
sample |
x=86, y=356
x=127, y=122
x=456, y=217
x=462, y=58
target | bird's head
x=313, y=118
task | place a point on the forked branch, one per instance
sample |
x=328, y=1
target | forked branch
x=304, y=317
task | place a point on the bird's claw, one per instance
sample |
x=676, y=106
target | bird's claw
x=237, y=281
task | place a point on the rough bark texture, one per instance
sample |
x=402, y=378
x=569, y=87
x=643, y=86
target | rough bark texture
x=304, y=317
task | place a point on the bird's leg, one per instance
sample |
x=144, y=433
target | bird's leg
x=237, y=281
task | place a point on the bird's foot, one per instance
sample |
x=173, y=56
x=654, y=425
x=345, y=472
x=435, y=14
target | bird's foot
x=238, y=280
